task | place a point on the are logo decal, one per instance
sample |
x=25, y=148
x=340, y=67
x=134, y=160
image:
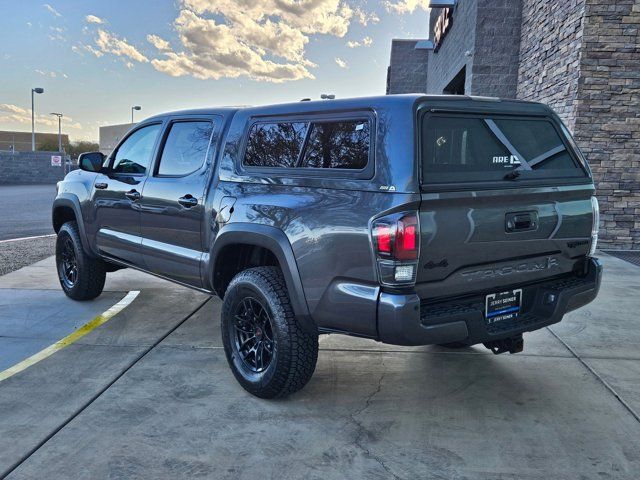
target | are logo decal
x=506, y=160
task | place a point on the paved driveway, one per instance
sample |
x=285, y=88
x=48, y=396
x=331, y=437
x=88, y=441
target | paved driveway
x=149, y=395
x=25, y=210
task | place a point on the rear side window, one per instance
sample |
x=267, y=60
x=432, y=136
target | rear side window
x=275, y=144
x=185, y=148
x=476, y=148
x=341, y=144
x=338, y=145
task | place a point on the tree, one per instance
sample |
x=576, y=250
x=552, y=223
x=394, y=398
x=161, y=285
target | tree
x=76, y=148
x=48, y=145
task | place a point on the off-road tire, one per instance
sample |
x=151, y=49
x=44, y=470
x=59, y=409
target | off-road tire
x=91, y=272
x=296, y=350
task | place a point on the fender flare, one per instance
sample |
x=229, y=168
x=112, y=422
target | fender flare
x=71, y=201
x=276, y=241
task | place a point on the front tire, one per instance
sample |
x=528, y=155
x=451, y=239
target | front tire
x=270, y=354
x=81, y=276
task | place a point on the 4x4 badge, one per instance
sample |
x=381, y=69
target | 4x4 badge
x=431, y=264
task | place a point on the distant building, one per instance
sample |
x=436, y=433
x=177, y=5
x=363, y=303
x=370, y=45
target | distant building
x=580, y=57
x=21, y=141
x=110, y=135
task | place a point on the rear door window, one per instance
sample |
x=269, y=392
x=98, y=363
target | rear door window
x=185, y=148
x=459, y=148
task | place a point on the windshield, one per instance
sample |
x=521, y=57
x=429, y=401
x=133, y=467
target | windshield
x=460, y=148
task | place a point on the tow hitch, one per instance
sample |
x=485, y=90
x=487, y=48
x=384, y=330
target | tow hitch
x=513, y=344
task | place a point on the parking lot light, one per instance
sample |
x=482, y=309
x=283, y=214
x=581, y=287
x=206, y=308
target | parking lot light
x=33, y=119
x=136, y=107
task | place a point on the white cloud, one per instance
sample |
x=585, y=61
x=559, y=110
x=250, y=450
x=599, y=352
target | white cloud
x=110, y=43
x=158, y=42
x=366, y=42
x=264, y=40
x=94, y=19
x=365, y=18
x=341, y=63
x=80, y=49
x=52, y=10
x=46, y=74
x=10, y=113
x=57, y=34
x=29, y=24
x=406, y=6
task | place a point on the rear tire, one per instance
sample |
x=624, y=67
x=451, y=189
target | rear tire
x=269, y=352
x=81, y=276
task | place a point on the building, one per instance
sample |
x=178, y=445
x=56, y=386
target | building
x=110, y=135
x=581, y=57
x=21, y=141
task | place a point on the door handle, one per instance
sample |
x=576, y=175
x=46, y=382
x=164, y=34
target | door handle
x=133, y=195
x=101, y=185
x=188, y=201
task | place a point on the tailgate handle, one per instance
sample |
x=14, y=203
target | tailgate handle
x=521, y=221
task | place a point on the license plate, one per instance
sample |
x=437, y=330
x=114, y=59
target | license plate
x=503, y=306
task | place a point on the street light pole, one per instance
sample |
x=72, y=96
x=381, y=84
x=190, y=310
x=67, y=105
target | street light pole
x=136, y=107
x=64, y=163
x=33, y=118
x=59, y=115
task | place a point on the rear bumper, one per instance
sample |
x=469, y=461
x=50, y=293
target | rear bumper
x=405, y=320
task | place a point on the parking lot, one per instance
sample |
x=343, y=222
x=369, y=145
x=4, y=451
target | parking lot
x=148, y=393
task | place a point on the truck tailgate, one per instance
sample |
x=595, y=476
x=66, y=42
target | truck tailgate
x=475, y=241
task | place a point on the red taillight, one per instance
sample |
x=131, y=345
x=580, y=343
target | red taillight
x=384, y=236
x=397, y=239
x=407, y=238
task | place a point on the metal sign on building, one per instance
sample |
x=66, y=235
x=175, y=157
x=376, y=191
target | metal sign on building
x=442, y=27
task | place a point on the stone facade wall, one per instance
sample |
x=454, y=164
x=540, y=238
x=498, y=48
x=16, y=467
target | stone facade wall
x=28, y=168
x=550, y=49
x=497, y=48
x=607, y=123
x=451, y=57
x=408, y=68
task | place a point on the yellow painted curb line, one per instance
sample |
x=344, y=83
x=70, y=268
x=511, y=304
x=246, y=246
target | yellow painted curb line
x=71, y=338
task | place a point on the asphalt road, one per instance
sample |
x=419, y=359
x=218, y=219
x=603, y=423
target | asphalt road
x=25, y=210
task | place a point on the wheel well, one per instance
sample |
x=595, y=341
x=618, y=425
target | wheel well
x=62, y=215
x=233, y=259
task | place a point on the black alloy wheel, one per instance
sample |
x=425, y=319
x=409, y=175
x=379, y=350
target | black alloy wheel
x=253, y=335
x=68, y=265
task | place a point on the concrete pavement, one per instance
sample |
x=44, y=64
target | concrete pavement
x=149, y=395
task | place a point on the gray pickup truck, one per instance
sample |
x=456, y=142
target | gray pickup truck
x=409, y=219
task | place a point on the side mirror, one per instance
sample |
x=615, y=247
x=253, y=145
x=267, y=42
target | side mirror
x=91, y=161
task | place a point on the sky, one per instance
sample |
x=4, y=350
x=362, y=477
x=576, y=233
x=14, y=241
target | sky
x=96, y=59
